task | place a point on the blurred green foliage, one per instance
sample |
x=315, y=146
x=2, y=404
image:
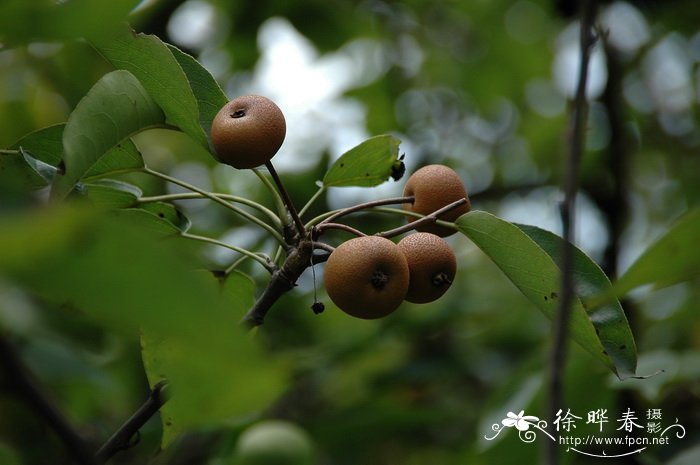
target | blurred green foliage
x=470, y=84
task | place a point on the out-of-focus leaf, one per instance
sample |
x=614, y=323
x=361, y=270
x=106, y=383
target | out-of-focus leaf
x=115, y=108
x=110, y=193
x=210, y=97
x=17, y=174
x=673, y=258
x=31, y=20
x=122, y=157
x=609, y=320
x=368, y=164
x=152, y=62
x=196, y=407
x=689, y=456
x=514, y=396
x=191, y=332
x=532, y=271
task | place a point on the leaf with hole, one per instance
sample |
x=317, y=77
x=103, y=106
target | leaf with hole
x=368, y=164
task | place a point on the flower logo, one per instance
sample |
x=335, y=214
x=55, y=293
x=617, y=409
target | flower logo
x=520, y=421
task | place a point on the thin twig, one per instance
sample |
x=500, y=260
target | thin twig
x=323, y=246
x=431, y=218
x=570, y=185
x=367, y=205
x=27, y=387
x=121, y=439
x=321, y=228
x=287, y=199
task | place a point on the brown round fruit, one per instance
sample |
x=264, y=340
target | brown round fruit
x=367, y=277
x=432, y=266
x=248, y=131
x=435, y=186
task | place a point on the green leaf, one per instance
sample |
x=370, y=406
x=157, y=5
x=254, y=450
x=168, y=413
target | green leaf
x=245, y=378
x=37, y=155
x=114, y=109
x=190, y=328
x=148, y=220
x=210, y=97
x=672, y=259
x=44, y=170
x=609, y=320
x=32, y=20
x=110, y=193
x=367, y=164
x=121, y=158
x=44, y=144
x=17, y=174
x=532, y=271
x=152, y=62
x=168, y=212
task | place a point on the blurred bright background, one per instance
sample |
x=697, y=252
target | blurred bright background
x=482, y=86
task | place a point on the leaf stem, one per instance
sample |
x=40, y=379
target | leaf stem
x=231, y=198
x=235, y=264
x=9, y=152
x=313, y=199
x=218, y=200
x=265, y=262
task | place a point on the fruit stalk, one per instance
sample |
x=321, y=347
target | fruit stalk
x=287, y=200
x=431, y=218
x=367, y=205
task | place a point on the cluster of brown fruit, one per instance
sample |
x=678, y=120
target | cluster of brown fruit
x=368, y=276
